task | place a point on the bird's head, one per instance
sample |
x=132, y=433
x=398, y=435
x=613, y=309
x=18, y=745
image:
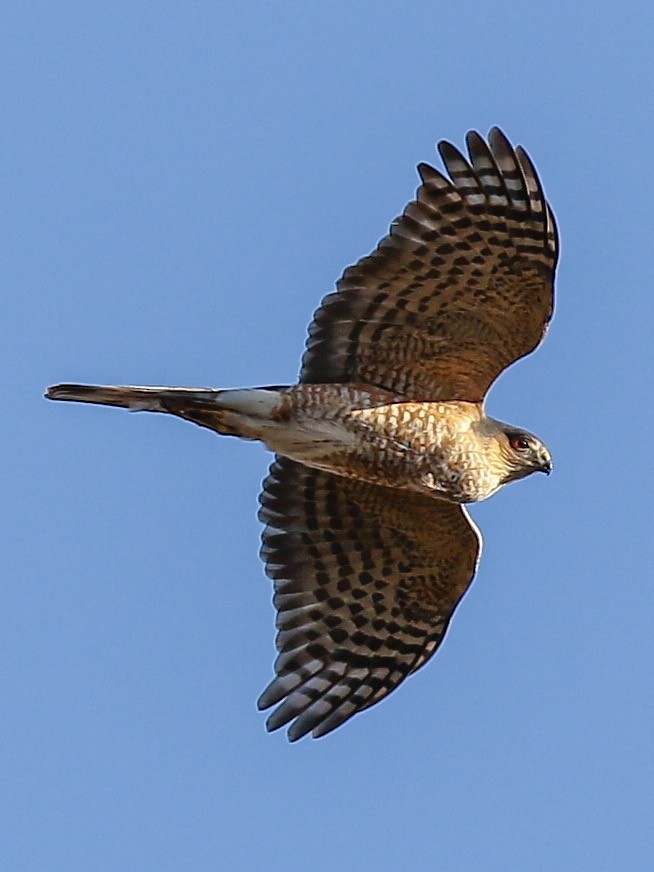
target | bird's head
x=522, y=453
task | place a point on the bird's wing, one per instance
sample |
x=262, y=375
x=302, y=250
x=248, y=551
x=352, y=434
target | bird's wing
x=460, y=288
x=366, y=580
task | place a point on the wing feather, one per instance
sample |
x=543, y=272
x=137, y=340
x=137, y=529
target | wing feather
x=460, y=288
x=366, y=579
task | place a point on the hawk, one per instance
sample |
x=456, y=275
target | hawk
x=385, y=439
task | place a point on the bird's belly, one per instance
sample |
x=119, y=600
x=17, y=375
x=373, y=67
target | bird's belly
x=332, y=446
x=460, y=484
x=423, y=447
x=306, y=436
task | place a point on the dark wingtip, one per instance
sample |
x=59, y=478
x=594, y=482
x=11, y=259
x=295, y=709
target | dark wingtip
x=496, y=132
x=427, y=172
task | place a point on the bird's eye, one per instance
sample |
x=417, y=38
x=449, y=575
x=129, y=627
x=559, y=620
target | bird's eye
x=519, y=443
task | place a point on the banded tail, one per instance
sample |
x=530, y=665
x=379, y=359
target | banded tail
x=240, y=412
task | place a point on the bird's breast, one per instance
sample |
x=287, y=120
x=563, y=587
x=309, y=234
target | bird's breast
x=373, y=436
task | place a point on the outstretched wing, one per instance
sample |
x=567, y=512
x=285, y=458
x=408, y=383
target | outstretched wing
x=460, y=288
x=366, y=580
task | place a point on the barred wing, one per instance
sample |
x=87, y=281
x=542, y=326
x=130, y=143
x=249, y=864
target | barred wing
x=366, y=580
x=460, y=288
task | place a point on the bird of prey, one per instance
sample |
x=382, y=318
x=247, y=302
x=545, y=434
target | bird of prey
x=384, y=439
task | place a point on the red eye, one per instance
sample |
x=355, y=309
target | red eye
x=519, y=443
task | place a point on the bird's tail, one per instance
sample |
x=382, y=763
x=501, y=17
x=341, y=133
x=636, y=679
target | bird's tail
x=238, y=412
x=141, y=399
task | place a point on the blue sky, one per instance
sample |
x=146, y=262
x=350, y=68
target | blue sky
x=182, y=183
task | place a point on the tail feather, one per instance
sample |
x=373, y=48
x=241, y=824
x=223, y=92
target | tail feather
x=229, y=412
x=146, y=399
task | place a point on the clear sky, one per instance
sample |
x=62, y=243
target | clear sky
x=182, y=182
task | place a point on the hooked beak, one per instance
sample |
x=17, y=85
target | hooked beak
x=546, y=466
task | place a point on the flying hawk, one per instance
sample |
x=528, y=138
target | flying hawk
x=385, y=438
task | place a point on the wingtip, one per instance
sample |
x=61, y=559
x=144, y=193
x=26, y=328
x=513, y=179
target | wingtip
x=497, y=132
x=473, y=138
x=426, y=171
x=294, y=736
x=448, y=151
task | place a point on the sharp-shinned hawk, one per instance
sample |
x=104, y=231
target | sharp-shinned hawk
x=385, y=437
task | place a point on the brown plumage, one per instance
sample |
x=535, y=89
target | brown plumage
x=385, y=437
